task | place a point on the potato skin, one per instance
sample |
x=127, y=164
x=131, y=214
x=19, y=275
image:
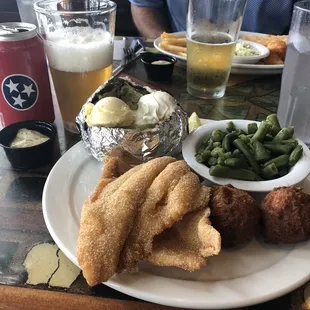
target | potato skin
x=286, y=215
x=234, y=214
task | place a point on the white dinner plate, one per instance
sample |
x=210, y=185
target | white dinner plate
x=248, y=69
x=241, y=277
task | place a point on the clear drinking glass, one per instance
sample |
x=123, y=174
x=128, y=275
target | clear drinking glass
x=212, y=31
x=294, y=105
x=78, y=38
x=26, y=11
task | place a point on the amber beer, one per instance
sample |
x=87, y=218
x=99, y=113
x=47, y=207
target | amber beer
x=73, y=89
x=80, y=61
x=209, y=59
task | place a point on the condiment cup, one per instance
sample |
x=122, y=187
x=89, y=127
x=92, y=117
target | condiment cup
x=191, y=144
x=263, y=53
x=29, y=157
x=157, y=72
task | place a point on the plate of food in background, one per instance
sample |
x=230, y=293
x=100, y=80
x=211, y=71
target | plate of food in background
x=174, y=44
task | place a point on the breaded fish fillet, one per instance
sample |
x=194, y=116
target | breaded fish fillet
x=113, y=167
x=175, y=192
x=108, y=217
x=188, y=243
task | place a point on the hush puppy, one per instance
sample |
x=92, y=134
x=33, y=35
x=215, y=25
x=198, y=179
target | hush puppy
x=234, y=214
x=286, y=215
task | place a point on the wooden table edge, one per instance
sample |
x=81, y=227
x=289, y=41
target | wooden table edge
x=32, y=298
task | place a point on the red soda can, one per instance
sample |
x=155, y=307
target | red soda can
x=25, y=88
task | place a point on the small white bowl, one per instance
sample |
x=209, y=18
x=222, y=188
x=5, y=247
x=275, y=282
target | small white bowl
x=189, y=148
x=263, y=53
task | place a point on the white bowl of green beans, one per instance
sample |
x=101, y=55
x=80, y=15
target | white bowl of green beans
x=253, y=156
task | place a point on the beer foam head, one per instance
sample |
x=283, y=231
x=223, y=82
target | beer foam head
x=79, y=49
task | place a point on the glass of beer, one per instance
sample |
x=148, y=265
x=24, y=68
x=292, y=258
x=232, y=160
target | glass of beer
x=212, y=31
x=78, y=38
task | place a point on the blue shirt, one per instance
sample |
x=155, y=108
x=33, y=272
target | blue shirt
x=265, y=16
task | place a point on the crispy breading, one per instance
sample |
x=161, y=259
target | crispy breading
x=235, y=214
x=113, y=168
x=188, y=243
x=286, y=215
x=277, y=46
x=108, y=217
x=175, y=192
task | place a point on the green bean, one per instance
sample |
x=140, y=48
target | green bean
x=270, y=171
x=258, y=178
x=199, y=158
x=236, y=153
x=245, y=138
x=225, y=172
x=277, y=148
x=227, y=155
x=217, y=135
x=283, y=171
x=217, y=144
x=260, y=152
x=201, y=150
x=261, y=132
x=280, y=161
x=273, y=119
x=240, y=132
x=212, y=161
x=274, y=130
x=284, y=134
x=293, y=142
x=227, y=141
x=247, y=154
x=236, y=163
x=205, y=156
x=221, y=161
x=210, y=145
x=250, y=135
x=295, y=155
x=252, y=128
x=217, y=151
x=230, y=127
x=268, y=137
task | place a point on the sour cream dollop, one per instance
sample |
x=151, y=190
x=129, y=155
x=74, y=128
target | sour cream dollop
x=154, y=107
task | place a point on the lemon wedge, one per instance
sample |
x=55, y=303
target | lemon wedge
x=193, y=122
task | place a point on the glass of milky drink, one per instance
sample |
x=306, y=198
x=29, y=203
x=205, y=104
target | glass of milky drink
x=78, y=39
x=212, y=31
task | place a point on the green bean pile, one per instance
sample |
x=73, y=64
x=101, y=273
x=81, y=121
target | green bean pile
x=265, y=152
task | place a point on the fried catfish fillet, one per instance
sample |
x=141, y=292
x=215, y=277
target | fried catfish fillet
x=175, y=192
x=108, y=217
x=188, y=243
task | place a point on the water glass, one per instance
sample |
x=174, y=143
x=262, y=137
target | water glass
x=294, y=105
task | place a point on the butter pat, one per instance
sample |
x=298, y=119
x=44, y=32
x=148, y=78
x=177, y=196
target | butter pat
x=65, y=274
x=27, y=138
x=109, y=112
x=41, y=262
x=154, y=108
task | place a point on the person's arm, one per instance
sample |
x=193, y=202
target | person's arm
x=151, y=22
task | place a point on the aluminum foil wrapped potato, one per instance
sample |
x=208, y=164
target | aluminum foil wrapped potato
x=142, y=122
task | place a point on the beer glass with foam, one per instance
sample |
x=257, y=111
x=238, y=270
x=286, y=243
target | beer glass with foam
x=78, y=39
x=212, y=31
